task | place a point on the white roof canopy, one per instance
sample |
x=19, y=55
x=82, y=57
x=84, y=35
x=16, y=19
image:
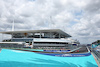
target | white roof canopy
x=37, y=31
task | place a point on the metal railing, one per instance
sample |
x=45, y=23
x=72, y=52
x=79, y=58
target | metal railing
x=97, y=54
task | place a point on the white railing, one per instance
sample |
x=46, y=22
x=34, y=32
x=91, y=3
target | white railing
x=48, y=44
x=97, y=54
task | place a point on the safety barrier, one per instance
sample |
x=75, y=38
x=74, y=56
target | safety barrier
x=97, y=54
x=67, y=55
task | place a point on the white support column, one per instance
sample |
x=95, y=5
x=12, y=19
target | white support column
x=11, y=36
x=32, y=43
x=50, y=35
x=40, y=34
x=59, y=36
x=2, y=37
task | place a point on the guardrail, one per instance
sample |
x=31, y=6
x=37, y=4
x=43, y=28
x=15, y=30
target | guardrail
x=97, y=54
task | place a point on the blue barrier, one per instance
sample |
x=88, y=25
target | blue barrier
x=56, y=50
x=68, y=55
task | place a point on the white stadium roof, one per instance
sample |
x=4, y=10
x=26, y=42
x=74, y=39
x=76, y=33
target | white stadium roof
x=36, y=31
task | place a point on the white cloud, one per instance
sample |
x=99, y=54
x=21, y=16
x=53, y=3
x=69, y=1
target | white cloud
x=80, y=18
